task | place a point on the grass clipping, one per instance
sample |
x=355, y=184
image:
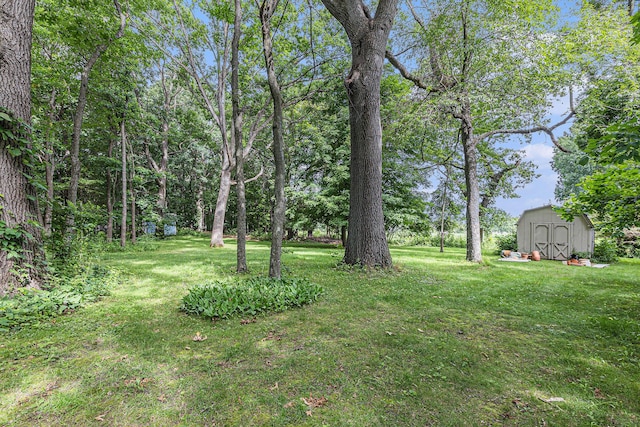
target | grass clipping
x=219, y=300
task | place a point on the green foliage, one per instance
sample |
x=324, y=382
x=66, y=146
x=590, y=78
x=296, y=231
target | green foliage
x=257, y=295
x=451, y=240
x=611, y=196
x=66, y=294
x=605, y=251
x=506, y=242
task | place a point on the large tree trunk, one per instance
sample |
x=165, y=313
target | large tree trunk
x=17, y=208
x=366, y=240
x=241, y=264
x=474, y=244
x=277, y=225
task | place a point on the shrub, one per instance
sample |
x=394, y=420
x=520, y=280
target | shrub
x=450, y=240
x=257, y=295
x=66, y=294
x=506, y=242
x=605, y=251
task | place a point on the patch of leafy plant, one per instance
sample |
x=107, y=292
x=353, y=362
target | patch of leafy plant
x=257, y=295
x=64, y=295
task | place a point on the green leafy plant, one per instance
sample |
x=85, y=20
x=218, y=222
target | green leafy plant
x=506, y=242
x=605, y=251
x=256, y=295
x=65, y=294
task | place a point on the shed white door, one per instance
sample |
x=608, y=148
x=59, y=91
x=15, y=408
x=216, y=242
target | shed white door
x=552, y=240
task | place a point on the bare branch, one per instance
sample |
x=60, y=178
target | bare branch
x=406, y=74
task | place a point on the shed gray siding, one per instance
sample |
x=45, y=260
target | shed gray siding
x=541, y=229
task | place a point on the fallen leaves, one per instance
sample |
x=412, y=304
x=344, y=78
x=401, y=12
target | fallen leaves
x=138, y=383
x=313, y=402
x=199, y=337
x=310, y=402
x=273, y=336
x=247, y=321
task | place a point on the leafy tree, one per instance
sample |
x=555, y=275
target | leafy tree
x=368, y=34
x=490, y=66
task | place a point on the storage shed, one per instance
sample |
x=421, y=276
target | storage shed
x=541, y=229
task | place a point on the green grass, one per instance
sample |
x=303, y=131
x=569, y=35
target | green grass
x=437, y=341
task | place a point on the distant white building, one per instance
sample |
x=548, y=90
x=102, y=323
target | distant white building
x=541, y=229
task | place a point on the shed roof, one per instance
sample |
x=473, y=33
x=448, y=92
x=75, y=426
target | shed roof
x=584, y=216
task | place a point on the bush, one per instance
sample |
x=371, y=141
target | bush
x=257, y=295
x=605, y=251
x=450, y=241
x=408, y=238
x=506, y=242
x=66, y=294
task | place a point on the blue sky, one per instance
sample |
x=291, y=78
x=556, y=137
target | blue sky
x=540, y=151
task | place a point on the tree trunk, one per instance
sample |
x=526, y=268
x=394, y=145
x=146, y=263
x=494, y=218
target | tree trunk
x=366, y=241
x=110, y=195
x=50, y=167
x=17, y=208
x=132, y=170
x=241, y=253
x=79, y=116
x=474, y=245
x=277, y=225
x=442, y=211
x=221, y=207
x=200, y=208
x=123, y=218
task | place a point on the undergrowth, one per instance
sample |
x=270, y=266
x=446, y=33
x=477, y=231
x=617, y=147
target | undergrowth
x=64, y=295
x=256, y=295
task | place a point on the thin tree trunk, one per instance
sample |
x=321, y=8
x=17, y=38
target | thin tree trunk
x=110, y=195
x=200, y=208
x=132, y=169
x=367, y=241
x=241, y=253
x=79, y=117
x=123, y=218
x=17, y=208
x=444, y=201
x=277, y=225
x=50, y=167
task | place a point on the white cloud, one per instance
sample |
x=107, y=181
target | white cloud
x=540, y=154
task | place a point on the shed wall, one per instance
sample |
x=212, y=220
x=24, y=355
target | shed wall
x=543, y=230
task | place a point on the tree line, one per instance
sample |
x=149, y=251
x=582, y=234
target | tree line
x=279, y=117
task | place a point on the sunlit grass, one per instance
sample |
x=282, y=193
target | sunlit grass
x=436, y=341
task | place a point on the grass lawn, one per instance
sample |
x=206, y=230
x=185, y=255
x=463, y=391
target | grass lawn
x=436, y=342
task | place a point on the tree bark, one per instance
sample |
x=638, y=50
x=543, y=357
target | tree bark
x=123, y=217
x=366, y=240
x=241, y=252
x=132, y=172
x=277, y=225
x=200, y=208
x=17, y=207
x=474, y=244
x=110, y=195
